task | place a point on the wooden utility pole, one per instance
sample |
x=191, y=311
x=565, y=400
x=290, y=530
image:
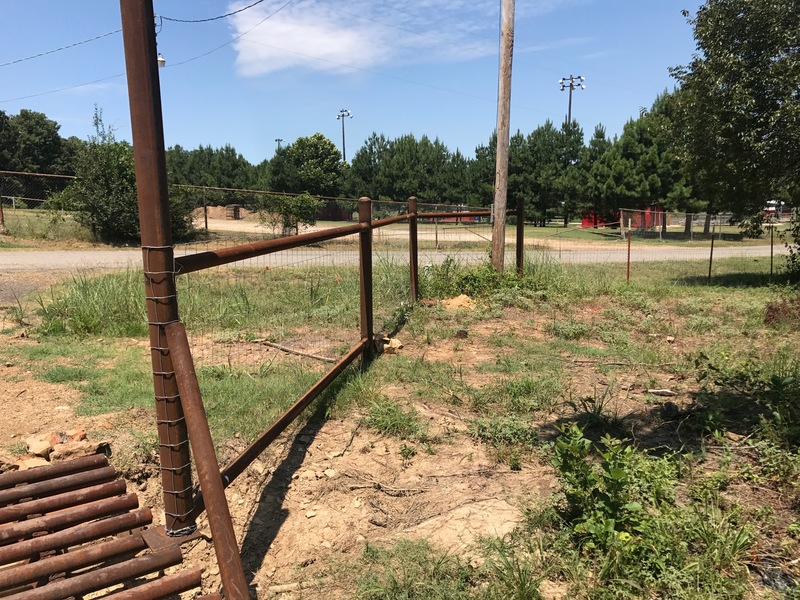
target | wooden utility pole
x=503, y=126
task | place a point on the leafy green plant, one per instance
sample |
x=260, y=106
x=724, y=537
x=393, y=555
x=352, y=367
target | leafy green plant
x=504, y=430
x=289, y=212
x=621, y=511
x=104, y=192
x=570, y=330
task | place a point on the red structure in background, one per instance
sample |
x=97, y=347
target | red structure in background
x=648, y=218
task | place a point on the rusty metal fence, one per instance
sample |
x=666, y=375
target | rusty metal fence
x=329, y=259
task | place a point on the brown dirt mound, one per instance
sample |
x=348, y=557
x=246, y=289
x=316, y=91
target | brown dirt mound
x=220, y=212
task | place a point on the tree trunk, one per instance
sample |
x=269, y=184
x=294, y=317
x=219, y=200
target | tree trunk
x=687, y=225
x=707, y=225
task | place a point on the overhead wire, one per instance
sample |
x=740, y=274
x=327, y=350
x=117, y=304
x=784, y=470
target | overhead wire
x=238, y=37
x=72, y=87
x=54, y=50
x=63, y=89
x=225, y=16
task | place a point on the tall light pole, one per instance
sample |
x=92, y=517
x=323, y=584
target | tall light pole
x=343, y=114
x=571, y=83
x=279, y=141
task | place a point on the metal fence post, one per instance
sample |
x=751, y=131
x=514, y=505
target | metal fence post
x=413, y=248
x=157, y=254
x=628, y=275
x=711, y=254
x=365, y=274
x=520, y=236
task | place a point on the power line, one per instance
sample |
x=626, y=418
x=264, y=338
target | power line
x=188, y=60
x=230, y=14
x=63, y=89
x=238, y=37
x=97, y=37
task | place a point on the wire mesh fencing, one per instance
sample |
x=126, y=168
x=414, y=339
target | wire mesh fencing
x=24, y=198
x=322, y=277
x=298, y=306
x=19, y=190
x=626, y=254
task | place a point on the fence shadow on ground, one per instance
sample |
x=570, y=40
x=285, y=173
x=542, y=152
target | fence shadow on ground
x=736, y=280
x=270, y=514
x=667, y=428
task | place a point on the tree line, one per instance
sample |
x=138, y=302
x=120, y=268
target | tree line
x=726, y=139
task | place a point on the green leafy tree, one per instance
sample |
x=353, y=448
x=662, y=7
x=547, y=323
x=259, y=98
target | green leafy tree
x=37, y=144
x=594, y=175
x=482, y=171
x=364, y=177
x=738, y=107
x=544, y=145
x=8, y=143
x=571, y=179
x=289, y=212
x=104, y=191
x=310, y=164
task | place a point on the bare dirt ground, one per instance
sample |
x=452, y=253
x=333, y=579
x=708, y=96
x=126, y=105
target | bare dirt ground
x=317, y=494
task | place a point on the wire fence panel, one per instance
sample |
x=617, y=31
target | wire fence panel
x=295, y=305
x=633, y=257
x=20, y=190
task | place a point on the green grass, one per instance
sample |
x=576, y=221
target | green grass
x=30, y=223
x=244, y=404
x=624, y=522
x=389, y=418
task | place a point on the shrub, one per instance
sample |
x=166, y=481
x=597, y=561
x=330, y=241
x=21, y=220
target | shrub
x=104, y=192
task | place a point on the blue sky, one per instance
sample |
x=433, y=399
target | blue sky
x=284, y=70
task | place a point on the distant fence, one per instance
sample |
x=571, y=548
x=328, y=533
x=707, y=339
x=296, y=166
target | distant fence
x=30, y=190
x=626, y=253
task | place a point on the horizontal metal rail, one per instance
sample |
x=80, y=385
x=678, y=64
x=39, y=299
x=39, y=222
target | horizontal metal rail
x=68, y=517
x=449, y=215
x=224, y=256
x=75, y=535
x=389, y=221
x=70, y=561
x=104, y=577
x=50, y=487
x=165, y=587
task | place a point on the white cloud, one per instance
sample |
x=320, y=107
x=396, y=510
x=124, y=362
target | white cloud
x=325, y=35
x=362, y=34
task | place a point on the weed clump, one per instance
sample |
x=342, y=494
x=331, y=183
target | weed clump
x=784, y=313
